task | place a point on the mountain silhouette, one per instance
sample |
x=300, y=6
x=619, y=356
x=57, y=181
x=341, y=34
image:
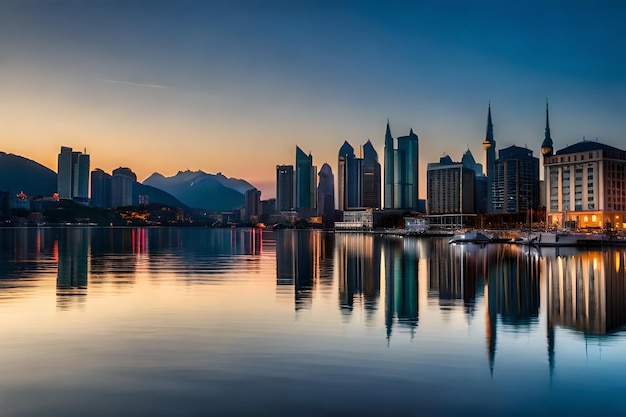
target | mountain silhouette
x=21, y=174
x=155, y=195
x=201, y=190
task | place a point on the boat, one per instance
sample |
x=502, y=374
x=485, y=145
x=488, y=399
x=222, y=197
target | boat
x=470, y=236
x=566, y=238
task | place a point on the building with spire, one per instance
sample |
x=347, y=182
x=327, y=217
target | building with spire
x=489, y=145
x=389, y=169
x=585, y=184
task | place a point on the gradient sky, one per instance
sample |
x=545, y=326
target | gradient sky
x=234, y=86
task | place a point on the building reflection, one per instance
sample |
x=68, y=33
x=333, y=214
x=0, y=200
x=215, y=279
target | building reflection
x=72, y=275
x=300, y=257
x=358, y=264
x=401, y=285
x=511, y=291
x=587, y=291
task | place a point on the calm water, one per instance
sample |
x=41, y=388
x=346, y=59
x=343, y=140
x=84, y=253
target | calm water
x=198, y=322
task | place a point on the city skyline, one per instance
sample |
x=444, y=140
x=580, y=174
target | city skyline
x=184, y=78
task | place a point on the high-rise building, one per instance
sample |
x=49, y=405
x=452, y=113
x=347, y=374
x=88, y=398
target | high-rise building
x=284, y=188
x=515, y=181
x=450, y=188
x=348, y=178
x=489, y=145
x=406, y=166
x=389, y=169
x=73, y=175
x=253, y=204
x=480, y=181
x=122, y=187
x=326, y=196
x=100, y=188
x=306, y=179
x=370, y=177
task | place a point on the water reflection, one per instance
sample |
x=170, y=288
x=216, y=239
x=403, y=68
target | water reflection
x=73, y=253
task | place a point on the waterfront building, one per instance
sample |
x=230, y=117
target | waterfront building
x=348, y=177
x=480, y=181
x=100, y=188
x=356, y=219
x=122, y=187
x=253, y=204
x=489, y=145
x=358, y=179
x=73, y=175
x=450, y=193
x=305, y=181
x=401, y=171
x=370, y=177
x=585, y=184
x=326, y=196
x=284, y=188
x=515, y=181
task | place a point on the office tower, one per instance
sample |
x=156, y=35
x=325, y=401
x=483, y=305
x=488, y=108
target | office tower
x=586, y=186
x=348, y=180
x=406, y=165
x=284, y=188
x=515, y=181
x=370, y=177
x=73, y=175
x=489, y=145
x=100, y=188
x=480, y=181
x=326, y=196
x=450, y=188
x=389, y=169
x=122, y=187
x=253, y=204
x=306, y=178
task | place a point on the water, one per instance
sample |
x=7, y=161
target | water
x=195, y=322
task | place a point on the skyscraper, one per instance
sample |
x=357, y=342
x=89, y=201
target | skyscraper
x=450, y=188
x=406, y=164
x=489, y=145
x=122, y=187
x=253, y=204
x=284, y=188
x=347, y=178
x=100, y=188
x=370, y=177
x=389, y=169
x=306, y=176
x=73, y=175
x=326, y=196
x=515, y=181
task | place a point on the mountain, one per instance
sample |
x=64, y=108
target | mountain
x=201, y=190
x=155, y=195
x=20, y=174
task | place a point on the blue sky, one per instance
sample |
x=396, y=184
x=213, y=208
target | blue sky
x=234, y=86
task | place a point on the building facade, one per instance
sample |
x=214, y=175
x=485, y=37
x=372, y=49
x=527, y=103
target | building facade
x=348, y=177
x=100, y=188
x=253, y=205
x=284, y=188
x=73, y=175
x=585, y=186
x=370, y=177
x=326, y=196
x=122, y=187
x=305, y=182
x=449, y=188
x=401, y=171
x=515, y=181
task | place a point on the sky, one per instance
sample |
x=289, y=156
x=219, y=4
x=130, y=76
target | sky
x=233, y=86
